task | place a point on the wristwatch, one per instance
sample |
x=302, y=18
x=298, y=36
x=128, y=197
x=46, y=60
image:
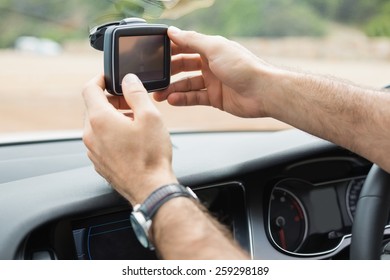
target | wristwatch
x=142, y=214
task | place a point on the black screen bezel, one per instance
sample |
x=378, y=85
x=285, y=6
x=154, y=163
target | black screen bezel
x=144, y=30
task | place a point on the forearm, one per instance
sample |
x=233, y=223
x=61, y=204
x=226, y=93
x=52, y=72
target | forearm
x=350, y=116
x=181, y=229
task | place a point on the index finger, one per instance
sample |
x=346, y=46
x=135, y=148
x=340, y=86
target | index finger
x=176, y=49
x=191, y=42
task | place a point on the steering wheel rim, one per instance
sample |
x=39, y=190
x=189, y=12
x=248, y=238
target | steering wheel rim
x=371, y=216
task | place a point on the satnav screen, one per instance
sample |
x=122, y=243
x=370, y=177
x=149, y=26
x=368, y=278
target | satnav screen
x=143, y=56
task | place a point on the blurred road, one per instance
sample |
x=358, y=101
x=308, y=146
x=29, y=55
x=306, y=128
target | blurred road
x=43, y=92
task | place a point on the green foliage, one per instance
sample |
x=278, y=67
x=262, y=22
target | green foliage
x=326, y=8
x=256, y=18
x=357, y=11
x=55, y=19
x=62, y=20
x=347, y=11
x=379, y=25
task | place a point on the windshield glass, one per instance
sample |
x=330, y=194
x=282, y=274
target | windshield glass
x=46, y=57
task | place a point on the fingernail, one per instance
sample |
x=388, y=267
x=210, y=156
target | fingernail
x=131, y=79
x=174, y=30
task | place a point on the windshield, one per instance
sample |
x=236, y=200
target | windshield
x=46, y=57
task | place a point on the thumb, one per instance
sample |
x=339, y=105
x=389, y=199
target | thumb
x=136, y=95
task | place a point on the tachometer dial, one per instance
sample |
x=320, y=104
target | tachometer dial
x=287, y=221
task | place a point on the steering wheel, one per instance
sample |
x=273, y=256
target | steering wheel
x=371, y=216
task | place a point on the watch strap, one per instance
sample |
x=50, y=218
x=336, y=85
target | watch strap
x=163, y=194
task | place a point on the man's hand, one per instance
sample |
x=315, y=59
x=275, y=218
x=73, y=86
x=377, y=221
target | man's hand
x=231, y=76
x=132, y=151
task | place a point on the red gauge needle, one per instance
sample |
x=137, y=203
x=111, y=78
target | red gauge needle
x=282, y=239
x=280, y=222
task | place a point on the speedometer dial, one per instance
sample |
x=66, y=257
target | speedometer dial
x=287, y=221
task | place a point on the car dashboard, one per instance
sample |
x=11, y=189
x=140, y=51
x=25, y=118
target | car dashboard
x=283, y=195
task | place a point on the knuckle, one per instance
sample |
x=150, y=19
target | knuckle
x=86, y=89
x=151, y=115
x=192, y=34
x=220, y=38
x=188, y=83
x=97, y=120
x=88, y=139
x=90, y=155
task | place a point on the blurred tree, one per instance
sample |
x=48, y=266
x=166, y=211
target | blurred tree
x=379, y=25
x=256, y=18
x=62, y=20
x=327, y=8
x=54, y=19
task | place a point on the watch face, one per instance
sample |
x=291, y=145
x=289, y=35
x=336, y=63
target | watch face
x=139, y=231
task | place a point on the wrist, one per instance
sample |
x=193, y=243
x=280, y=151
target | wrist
x=137, y=192
x=143, y=214
x=182, y=226
x=272, y=87
x=180, y=214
